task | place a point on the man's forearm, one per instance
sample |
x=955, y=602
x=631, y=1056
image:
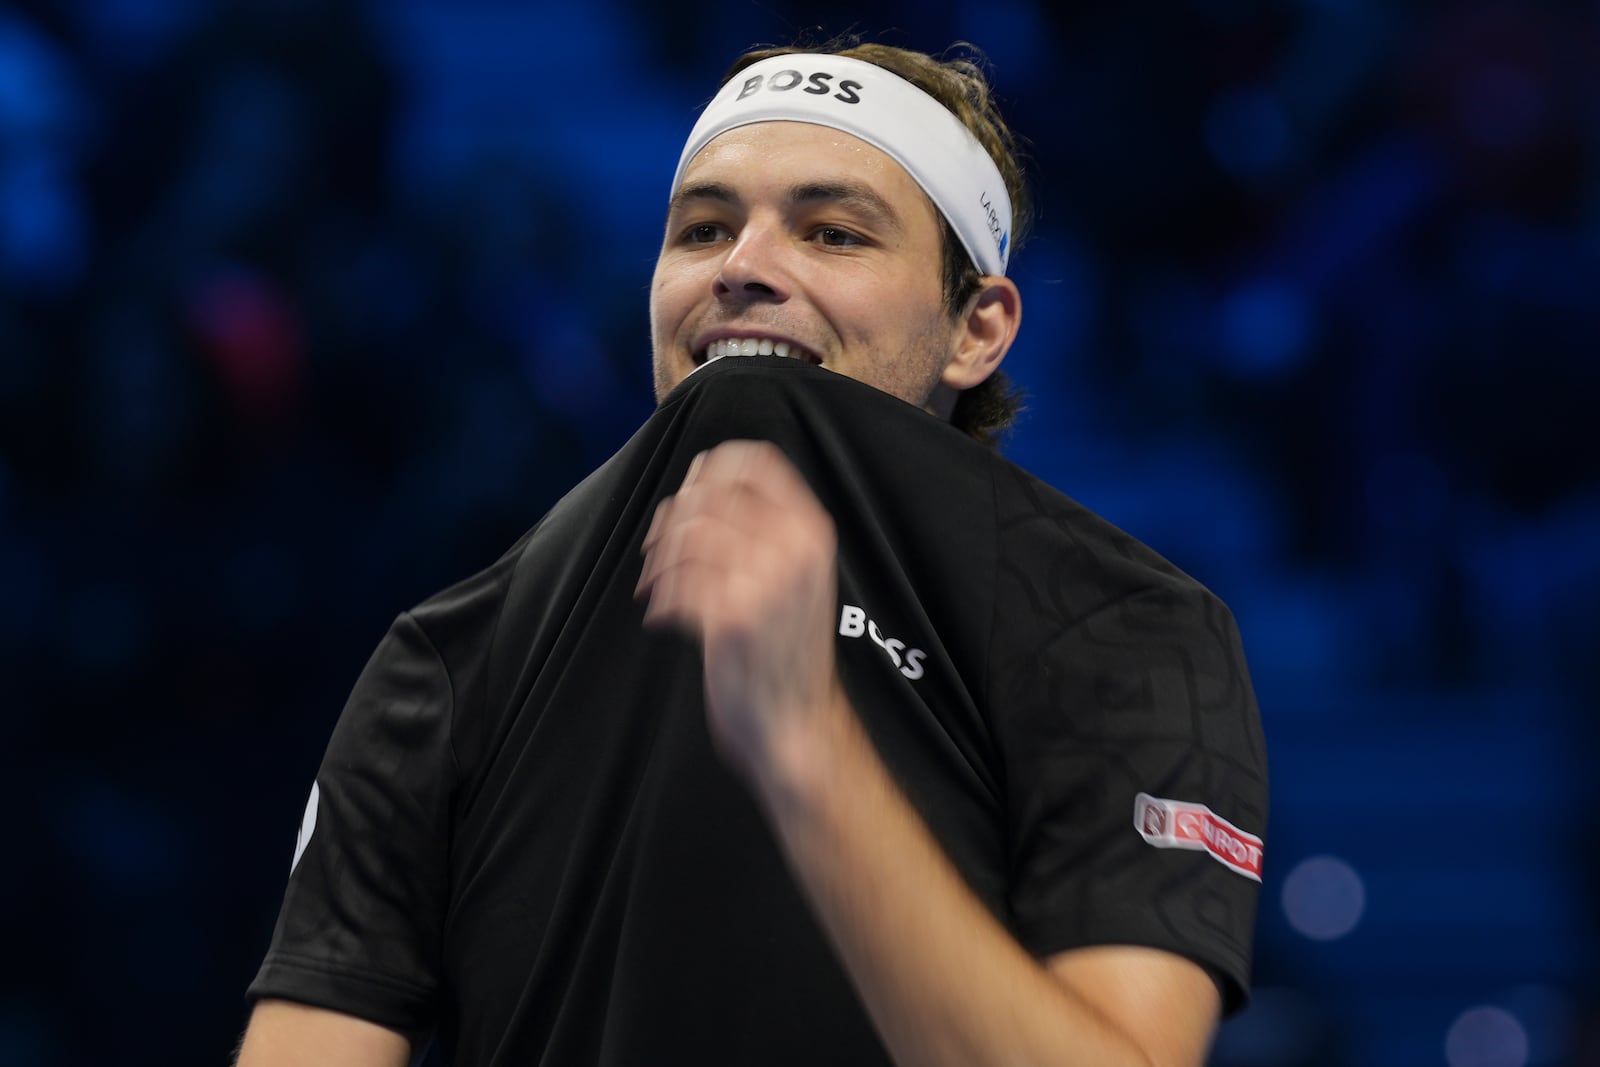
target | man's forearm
x=285, y=1034
x=943, y=981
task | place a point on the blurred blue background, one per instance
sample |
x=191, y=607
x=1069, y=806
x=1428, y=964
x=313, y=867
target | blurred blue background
x=308, y=309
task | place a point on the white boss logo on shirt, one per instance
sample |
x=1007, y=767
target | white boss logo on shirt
x=853, y=622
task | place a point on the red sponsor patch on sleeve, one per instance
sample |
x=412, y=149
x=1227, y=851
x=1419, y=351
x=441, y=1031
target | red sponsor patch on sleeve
x=1182, y=824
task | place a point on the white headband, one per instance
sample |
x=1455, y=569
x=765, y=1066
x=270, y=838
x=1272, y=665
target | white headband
x=889, y=113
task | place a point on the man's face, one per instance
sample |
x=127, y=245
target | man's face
x=801, y=235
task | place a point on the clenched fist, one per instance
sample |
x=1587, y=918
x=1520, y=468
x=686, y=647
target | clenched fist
x=742, y=557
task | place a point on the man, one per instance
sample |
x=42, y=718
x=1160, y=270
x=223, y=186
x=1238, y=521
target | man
x=947, y=771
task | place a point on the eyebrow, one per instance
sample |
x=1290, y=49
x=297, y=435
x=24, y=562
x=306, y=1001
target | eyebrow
x=853, y=195
x=697, y=191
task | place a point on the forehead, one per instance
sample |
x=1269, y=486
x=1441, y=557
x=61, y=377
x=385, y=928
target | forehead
x=790, y=153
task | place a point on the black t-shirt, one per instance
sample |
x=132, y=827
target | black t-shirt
x=520, y=836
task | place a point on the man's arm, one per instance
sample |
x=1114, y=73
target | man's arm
x=743, y=557
x=944, y=982
x=285, y=1034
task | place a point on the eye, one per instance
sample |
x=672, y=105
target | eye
x=837, y=237
x=704, y=233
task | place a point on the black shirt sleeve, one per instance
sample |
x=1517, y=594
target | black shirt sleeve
x=1116, y=675
x=361, y=923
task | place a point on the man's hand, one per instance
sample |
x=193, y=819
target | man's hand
x=743, y=559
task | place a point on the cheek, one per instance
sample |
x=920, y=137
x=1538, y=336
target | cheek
x=662, y=314
x=672, y=296
x=910, y=313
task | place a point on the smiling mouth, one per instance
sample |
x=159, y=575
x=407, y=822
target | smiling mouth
x=757, y=346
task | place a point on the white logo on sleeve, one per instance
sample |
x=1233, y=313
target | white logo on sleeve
x=308, y=824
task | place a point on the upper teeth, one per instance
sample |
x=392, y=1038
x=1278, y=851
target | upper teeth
x=747, y=346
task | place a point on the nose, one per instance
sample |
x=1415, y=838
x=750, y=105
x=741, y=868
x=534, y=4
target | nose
x=754, y=268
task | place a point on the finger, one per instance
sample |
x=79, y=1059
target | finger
x=736, y=461
x=661, y=516
x=657, y=520
x=721, y=532
x=763, y=467
x=702, y=596
x=740, y=504
x=731, y=527
x=695, y=465
x=658, y=523
x=701, y=539
x=704, y=567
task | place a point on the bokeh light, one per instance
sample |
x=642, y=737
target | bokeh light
x=1324, y=898
x=1486, y=1037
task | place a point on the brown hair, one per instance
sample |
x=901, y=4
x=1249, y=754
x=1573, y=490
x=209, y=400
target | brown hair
x=988, y=409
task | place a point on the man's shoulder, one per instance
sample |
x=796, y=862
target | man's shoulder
x=1049, y=540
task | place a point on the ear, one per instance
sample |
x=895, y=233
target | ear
x=986, y=331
